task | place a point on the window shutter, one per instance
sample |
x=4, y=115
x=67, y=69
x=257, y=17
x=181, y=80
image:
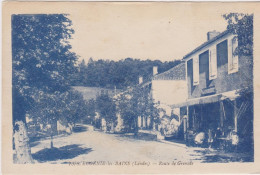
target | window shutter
x=212, y=63
x=195, y=71
x=232, y=58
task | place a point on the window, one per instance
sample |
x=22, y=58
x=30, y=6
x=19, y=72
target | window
x=212, y=63
x=195, y=71
x=232, y=57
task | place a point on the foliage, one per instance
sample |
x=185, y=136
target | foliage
x=136, y=102
x=42, y=60
x=127, y=109
x=106, y=108
x=68, y=107
x=91, y=108
x=241, y=25
x=120, y=74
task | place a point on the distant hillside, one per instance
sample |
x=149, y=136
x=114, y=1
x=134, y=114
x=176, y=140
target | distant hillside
x=92, y=92
x=119, y=74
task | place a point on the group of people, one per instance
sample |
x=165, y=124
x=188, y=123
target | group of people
x=217, y=139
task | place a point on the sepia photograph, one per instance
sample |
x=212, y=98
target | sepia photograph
x=130, y=84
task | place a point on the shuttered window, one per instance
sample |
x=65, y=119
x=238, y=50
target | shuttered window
x=195, y=70
x=212, y=63
x=232, y=57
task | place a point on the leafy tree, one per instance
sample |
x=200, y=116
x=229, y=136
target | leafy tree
x=41, y=56
x=49, y=108
x=136, y=102
x=91, y=110
x=127, y=106
x=107, y=109
x=123, y=73
x=241, y=25
x=81, y=74
x=41, y=59
x=75, y=107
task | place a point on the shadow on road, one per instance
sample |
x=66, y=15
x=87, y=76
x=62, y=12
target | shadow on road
x=65, y=152
x=222, y=157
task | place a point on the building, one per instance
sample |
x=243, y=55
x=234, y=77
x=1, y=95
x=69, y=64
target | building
x=168, y=90
x=159, y=93
x=216, y=78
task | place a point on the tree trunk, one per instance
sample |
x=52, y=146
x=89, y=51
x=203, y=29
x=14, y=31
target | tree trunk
x=53, y=130
x=21, y=147
x=135, y=126
x=22, y=151
x=52, y=141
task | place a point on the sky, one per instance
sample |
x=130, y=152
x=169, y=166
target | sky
x=145, y=31
x=163, y=31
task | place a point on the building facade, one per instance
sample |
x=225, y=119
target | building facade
x=216, y=81
x=168, y=90
x=167, y=86
x=209, y=94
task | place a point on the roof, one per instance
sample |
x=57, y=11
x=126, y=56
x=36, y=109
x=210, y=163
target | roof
x=176, y=73
x=207, y=43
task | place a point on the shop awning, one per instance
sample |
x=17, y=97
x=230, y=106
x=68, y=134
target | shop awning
x=208, y=99
x=232, y=95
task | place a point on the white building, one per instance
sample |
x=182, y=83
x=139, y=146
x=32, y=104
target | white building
x=170, y=88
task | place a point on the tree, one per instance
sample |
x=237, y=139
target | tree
x=91, y=111
x=107, y=109
x=81, y=74
x=69, y=106
x=241, y=25
x=41, y=59
x=41, y=55
x=75, y=107
x=127, y=110
x=123, y=73
x=133, y=103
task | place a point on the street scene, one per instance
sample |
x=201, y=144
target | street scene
x=126, y=148
x=188, y=100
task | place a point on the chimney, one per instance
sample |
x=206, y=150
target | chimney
x=155, y=70
x=212, y=34
x=140, y=80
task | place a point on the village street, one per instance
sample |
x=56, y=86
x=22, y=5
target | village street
x=84, y=145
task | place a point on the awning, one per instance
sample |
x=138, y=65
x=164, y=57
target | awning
x=232, y=95
x=208, y=99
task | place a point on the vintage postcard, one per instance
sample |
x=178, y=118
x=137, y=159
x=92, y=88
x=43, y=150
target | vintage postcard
x=130, y=87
